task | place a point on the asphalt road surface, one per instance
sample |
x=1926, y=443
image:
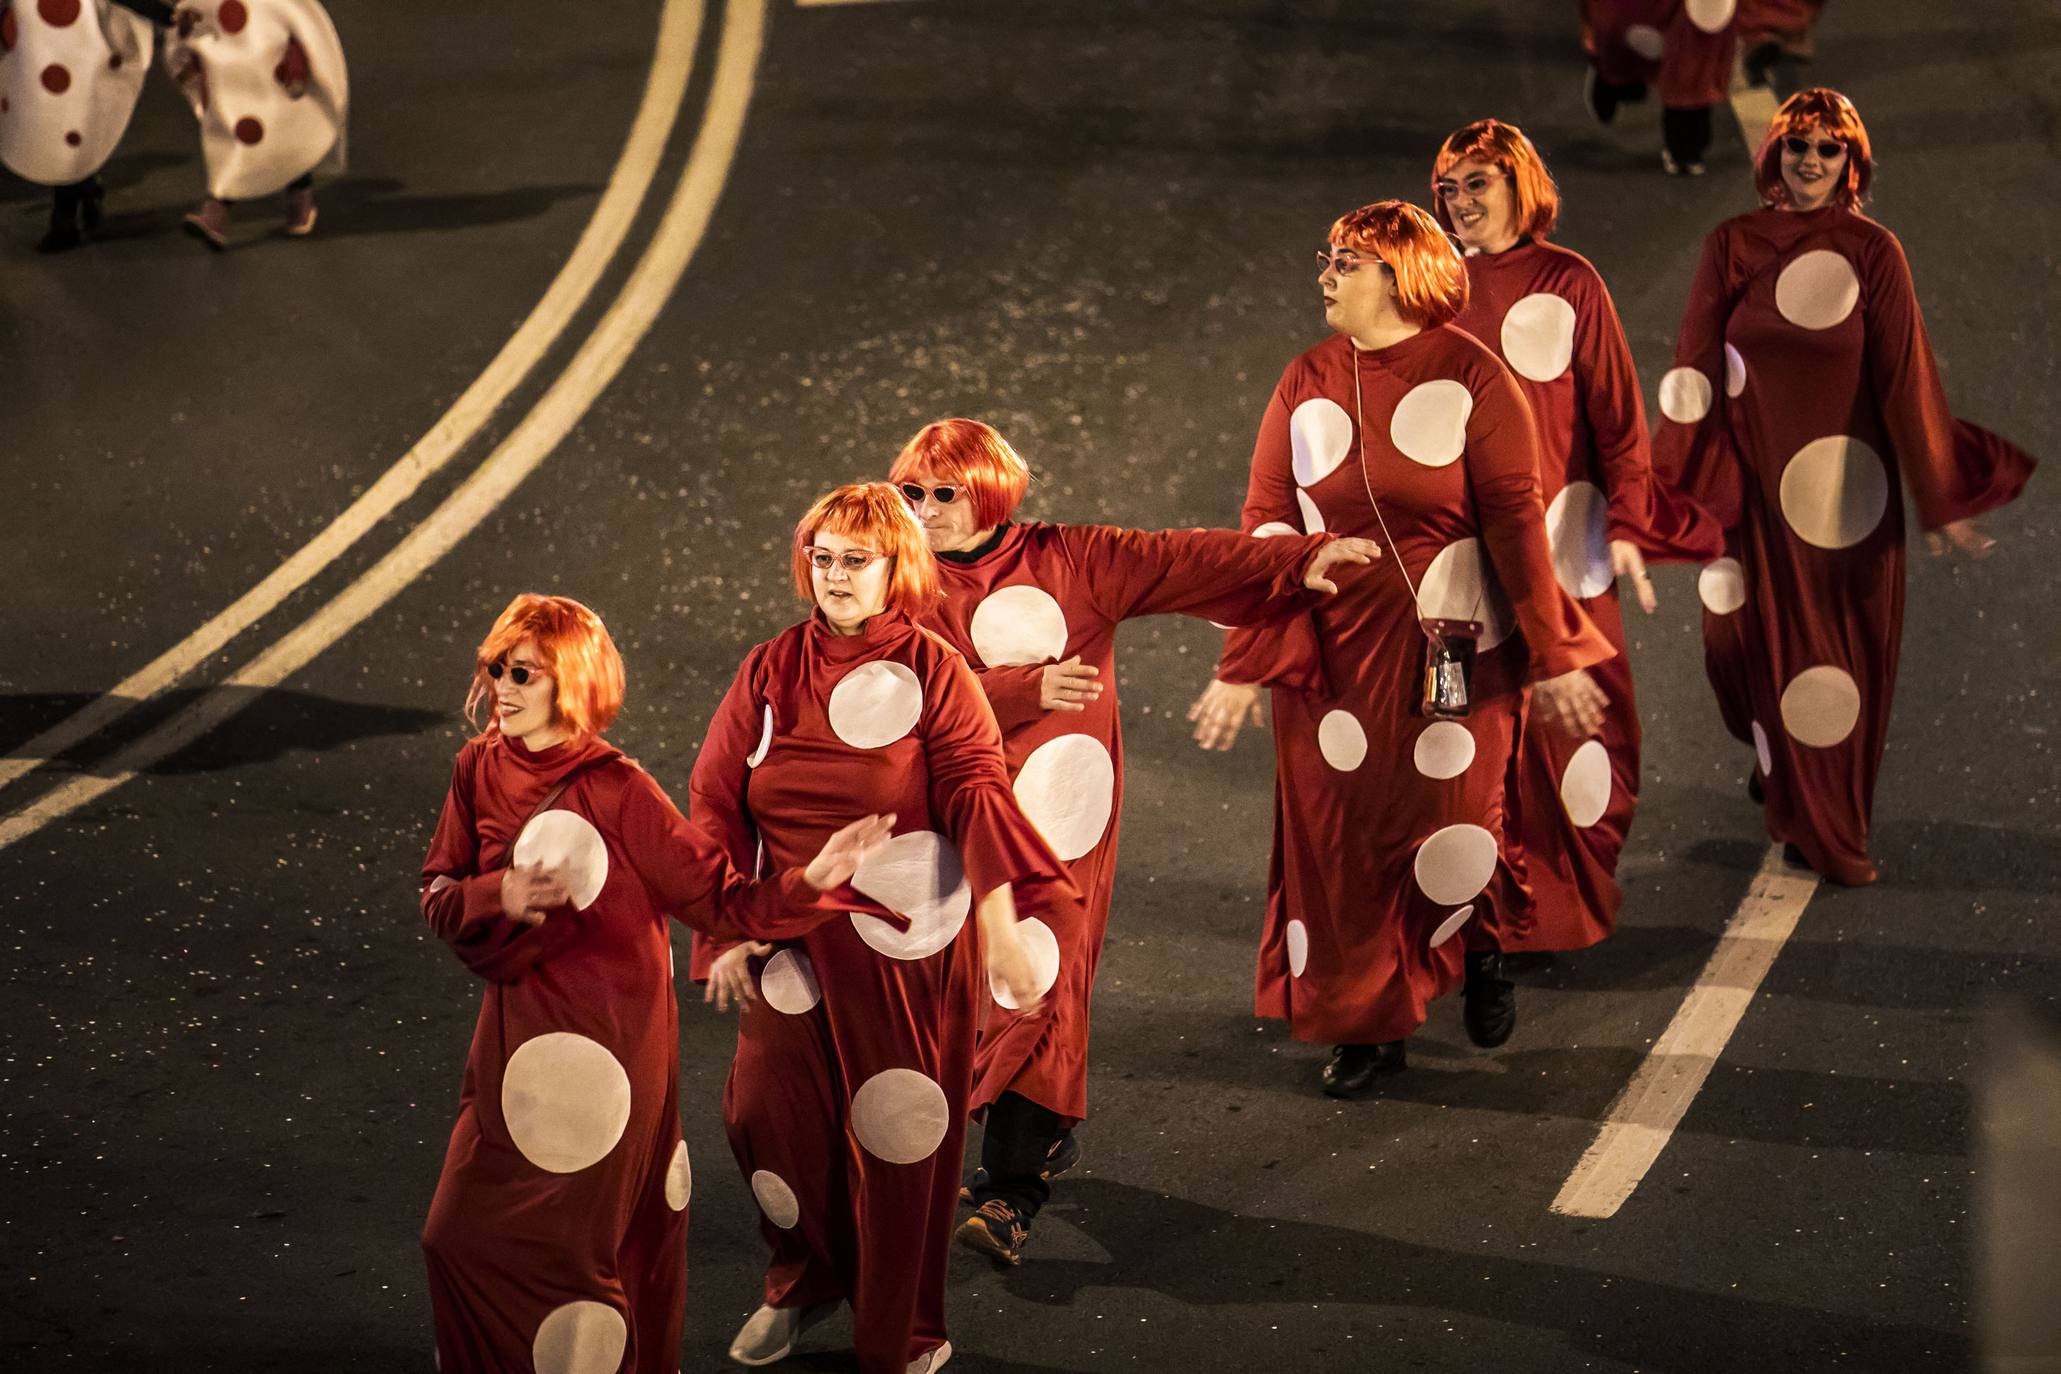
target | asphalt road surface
x=231, y=1049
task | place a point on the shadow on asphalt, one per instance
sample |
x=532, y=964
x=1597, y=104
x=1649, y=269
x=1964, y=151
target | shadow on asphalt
x=1201, y=1255
x=372, y=205
x=265, y=726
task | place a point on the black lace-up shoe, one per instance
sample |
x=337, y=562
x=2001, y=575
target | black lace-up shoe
x=1355, y=1070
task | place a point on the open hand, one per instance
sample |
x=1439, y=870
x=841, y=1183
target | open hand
x=1010, y=967
x=839, y=858
x=729, y=978
x=1962, y=537
x=1331, y=555
x=1069, y=686
x=1223, y=709
x=1571, y=703
x=529, y=891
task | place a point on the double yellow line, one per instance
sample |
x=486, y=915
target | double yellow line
x=596, y=364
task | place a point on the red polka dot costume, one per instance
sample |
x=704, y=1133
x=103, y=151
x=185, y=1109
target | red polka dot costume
x=1388, y=829
x=557, y=1240
x=847, y=1102
x=70, y=74
x=268, y=82
x=1683, y=48
x=1804, y=399
x=1548, y=315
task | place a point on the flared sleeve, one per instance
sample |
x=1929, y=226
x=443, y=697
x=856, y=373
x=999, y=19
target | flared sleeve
x=1692, y=449
x=716, y=793
x=1015, y=693
x=1221, y=575
x=1286, y=653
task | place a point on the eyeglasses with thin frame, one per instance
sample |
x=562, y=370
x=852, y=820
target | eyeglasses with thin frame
x=1827, y=149
x=1449, y=190
x=1344, y=264
x=517, y=673
x=914, y=492
x=851, y=560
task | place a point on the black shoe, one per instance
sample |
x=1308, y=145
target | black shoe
x=63, y=236
x=1355, y=1069
x=1759, y=62
x=1599, y=96
x=1489, y=1001
x=1793, y=856
x=89, y=209
x=996, y=1230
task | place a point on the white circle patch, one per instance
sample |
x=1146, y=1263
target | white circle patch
x=1538, y=336
x=1646, y=41
x=679, y=1179
x=900, y=1115
x=1298, y=948
x=1457, y=586
x=1444, y=749
x=1018, y=625
x=758, y=755
x=1761, y=755
x=1274, y=529
x=920, y=876
x=1067, y=789
x=1450, y=926
x=1711, y=15
x=1820, y=706
x=1312, y=518
x=1834, y=492
x=1585, y=786
x=1684, y=395
x=875, y=704
x=1430, y=422
x=788, y=982
x=776, y=1199
x=1043, y=947
x=1722, y=586
x=1320, y=434
x=1341, y=740
x=580, y=1338
x=569, y=844
x=1456, y=863
x=565, y=1100
x=1735, y=371
x=1578, y=530
x=1817, y=290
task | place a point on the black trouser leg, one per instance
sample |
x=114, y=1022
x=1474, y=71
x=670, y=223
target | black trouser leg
x=65, y=201
x=304, y=182
x=1019, y=1135
x=1686, y=133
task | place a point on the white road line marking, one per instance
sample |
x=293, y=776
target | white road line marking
x=643, y=296
x=665, y=90
x=819, y=4
x=1753, y=106
x=1641, y=1121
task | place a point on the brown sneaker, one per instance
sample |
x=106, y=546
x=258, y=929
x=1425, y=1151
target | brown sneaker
x=996, y=1230
x=210, y=224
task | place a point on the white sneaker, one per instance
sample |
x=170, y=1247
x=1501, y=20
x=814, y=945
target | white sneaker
x=769, y=1333
x=932, y=1360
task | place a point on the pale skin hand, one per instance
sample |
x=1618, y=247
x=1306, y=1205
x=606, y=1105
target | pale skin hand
x=1962, y=537
x=729, y=980
x=1009, y=961
x=1627, y=561
x=1571, y=703
x=1223, y=709
x=839, y=858
x=1069, y=686
x=1338, y=551
x=530, y=891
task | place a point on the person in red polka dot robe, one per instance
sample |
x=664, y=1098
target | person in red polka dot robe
x=1035, y=609
x=847, y=1101
x=1389, y=827
x=557, y=1240
x=1548, y=315
x=1804, y=398
x=1681, y=47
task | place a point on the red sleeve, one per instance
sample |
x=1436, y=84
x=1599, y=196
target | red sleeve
x=716, y=792
x=1015, y=694
x=970, y=796
x=1665, y=525
x=463, y=905
x=1286, y=654
x=1696, y=455
x=1503, y=472
x=1221, y=575
x=1955, y=470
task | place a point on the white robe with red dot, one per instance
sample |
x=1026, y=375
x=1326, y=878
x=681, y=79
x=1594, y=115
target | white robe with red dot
x=70, y=73
x=267, y=80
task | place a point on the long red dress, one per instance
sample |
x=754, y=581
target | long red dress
x=557, y=1239
x=1804, y=398
x=1046, y=593
x=847, y=1102
x=1388, y=827
x=1549, y=316
x=1683, y=48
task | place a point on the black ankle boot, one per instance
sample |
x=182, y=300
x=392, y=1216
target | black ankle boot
x=1489, y=1001
x=1355, y=1069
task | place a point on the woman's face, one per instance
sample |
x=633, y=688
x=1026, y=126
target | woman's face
x=1813, y=166
x=527, y=710
x=1358, y=295
x=849, y=597
x=1482, y=205
x=948, y=525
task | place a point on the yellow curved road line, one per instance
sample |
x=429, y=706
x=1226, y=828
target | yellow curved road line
x=643, y=296
x=665, y=89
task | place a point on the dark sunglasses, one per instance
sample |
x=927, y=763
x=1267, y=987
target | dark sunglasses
x=518, y=674
x=1827, y=150
x=914, y=493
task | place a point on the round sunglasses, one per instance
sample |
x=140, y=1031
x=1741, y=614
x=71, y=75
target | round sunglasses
x=1828, y=149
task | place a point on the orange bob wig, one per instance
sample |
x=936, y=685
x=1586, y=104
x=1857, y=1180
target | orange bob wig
x=874, y=515
x=1820, y=107
x=972, y=457
x=1430, y=278
x=1497, y=144
x=573, y=646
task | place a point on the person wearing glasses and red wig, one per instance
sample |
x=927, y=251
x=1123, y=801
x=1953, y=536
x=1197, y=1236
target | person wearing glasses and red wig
x=1389, y=826
x=560, y=1222
x=1035, y=608
x=1548, y=315
x=847, y=1102
x=1683, y=48
x=1803, y=401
